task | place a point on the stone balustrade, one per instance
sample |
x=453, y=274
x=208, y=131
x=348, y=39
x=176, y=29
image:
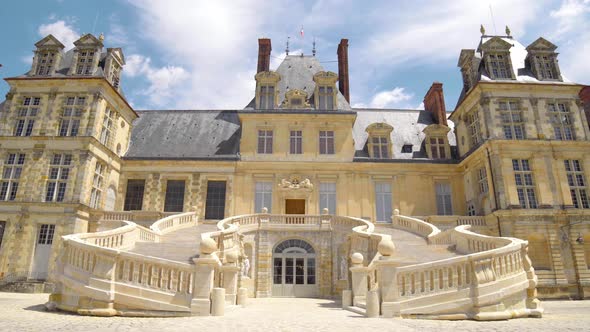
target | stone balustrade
x=492, y=280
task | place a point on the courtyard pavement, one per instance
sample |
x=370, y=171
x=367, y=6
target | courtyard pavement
x=25, y=312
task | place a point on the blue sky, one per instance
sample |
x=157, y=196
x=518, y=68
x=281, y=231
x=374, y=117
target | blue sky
x=202, y=54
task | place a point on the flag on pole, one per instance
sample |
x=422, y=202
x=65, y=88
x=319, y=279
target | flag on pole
x=301, y=32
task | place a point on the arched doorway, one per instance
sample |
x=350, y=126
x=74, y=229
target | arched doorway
x=294, y=269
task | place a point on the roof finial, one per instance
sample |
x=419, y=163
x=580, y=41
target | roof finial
x=313, y=50
x=507, y=31
x=287, y=49
x=101, y=37
x=482, y=30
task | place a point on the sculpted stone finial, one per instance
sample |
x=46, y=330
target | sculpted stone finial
x=101, y=37
x=482, y=30
x=507, y=31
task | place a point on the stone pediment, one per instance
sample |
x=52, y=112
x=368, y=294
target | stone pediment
x=88, y=40
x=436, y=129
x=541, y=44
x=495, y=44
x=296, y=99
x=49, y=42
x=117, y=54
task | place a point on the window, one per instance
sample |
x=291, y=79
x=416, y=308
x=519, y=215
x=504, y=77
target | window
x=45, y=63
x=437, y=148
x=328, y=197
x=85, y=60
x=326, y=98
x=471, y=211
x=106, y=135
x=326, y=142
x=482, y=179
x=174, y=196
x=215, y=202
x=265, y=141
x=512, y=123
x=473, y=127
x=46, y=234
x=25, y=118
x=134, y=195
x=97, y=183
x=267, y=97
x=545, y=67
x=577, y=183
x=383, y=201
x=263, y=196
x=59, y=172
x=444, y=205
x=296, y=142
x=407, y=148
x=380, y=147
x=499, y=66
x=70, y=120
x=525, y=187
x=13, y=167
x=115, y=74
x=561, y=120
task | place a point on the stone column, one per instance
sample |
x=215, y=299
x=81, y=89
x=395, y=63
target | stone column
x=230, y=272
x=204, y=272
x=387, y=271
x=264, y=260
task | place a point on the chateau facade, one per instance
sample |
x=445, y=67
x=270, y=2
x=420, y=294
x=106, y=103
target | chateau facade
x=512, y=159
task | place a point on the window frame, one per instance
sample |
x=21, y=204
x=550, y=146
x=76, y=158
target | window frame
x=328, y=196
x=512, y=119
x=11, y=173
x=263, y=196
x=525, y=184
x=134, y=198
x=265, y=141
x=577, y=183
x=214, y=210
x=26, y=114
x=71, y=116
x=174, y=197
x=60, y=167
x=444, y=198
x=296, y=141
x=561, y=119
x=326, y=142
x=97, y=185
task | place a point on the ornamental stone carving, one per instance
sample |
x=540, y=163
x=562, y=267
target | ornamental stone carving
x=295, y=183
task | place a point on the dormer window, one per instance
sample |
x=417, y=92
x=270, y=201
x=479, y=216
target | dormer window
x=85, y=62
x=499, y=66
x=266, y=90
x=379, y=142
x=295, y=99
x=46, y=63
x=542, y=59
x=325, y=91
x=437, y=142
x=114, y=75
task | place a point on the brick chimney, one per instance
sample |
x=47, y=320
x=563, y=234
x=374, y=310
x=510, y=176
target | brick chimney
x=585, y=97
x=343, y=69
x=434, y=102
x=264, y=49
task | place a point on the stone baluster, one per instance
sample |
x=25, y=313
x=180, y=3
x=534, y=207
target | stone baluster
x=230, y=276
x=205, y=267
x=359, y=278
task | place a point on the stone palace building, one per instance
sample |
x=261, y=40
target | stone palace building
x=511, y=160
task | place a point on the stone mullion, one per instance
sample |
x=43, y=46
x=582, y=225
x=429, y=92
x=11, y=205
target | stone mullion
x=82, y=184
x=36, y=186
x=7, y=115
x=72, y=70
x=486, y=118
x=92, y=125
x=48, y=125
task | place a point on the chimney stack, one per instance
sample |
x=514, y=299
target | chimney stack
x=264, y=49
x=434, y=102
x=585, y=97
x=343, y=69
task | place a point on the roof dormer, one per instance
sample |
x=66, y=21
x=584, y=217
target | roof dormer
x=86, y=55
x=267, y=94
x=113, y=65
x=47, y=56
x=325, y=90
x=496, y=56
x=295, y=99
x=543, y=60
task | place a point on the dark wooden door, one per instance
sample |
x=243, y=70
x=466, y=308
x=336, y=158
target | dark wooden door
x=295, y=206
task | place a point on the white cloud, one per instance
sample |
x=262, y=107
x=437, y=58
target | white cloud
x=61, y=30
x=27, y=59
x=395, y=98
x=573, y=38
x=163, y=82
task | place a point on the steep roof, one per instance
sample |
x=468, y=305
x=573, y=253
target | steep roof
x=297, y=72
x=407, y=130
x=202, y=134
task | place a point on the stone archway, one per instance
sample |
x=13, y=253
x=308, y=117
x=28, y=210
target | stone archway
x=294, y=269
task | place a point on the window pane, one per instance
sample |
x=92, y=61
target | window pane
x=134, y=195
x=215, y=202
x=174, y=196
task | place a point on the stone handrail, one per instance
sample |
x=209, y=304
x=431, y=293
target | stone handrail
x=123, y=237
x=414, y=225
x=174, y=222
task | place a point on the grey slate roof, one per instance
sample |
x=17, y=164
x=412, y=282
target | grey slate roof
x=407, y=130
x=297, y=72
x=201, y=134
